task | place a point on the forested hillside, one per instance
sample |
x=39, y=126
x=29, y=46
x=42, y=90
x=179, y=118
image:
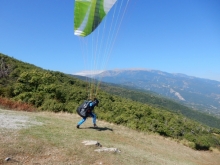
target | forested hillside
x=55, y=91
x=157, y=100
x=162, y=102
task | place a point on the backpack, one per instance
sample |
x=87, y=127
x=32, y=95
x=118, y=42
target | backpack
x=83, y=108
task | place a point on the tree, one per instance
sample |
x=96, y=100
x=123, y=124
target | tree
x=4, y=68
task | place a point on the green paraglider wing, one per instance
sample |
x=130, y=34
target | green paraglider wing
x=88, y=14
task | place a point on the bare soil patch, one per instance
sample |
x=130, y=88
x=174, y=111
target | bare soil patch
x=13, y=120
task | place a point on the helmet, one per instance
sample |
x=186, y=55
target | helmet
x=96, y=102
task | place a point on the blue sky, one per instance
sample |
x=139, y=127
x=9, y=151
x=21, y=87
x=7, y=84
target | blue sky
x=175, y=36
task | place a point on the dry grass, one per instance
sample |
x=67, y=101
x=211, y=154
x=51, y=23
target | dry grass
x=16, y=105
x=58, y=141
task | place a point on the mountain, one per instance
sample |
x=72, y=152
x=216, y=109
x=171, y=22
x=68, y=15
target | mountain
x=197, y=93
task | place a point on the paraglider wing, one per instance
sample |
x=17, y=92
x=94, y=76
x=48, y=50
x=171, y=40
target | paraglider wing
x=88, y=14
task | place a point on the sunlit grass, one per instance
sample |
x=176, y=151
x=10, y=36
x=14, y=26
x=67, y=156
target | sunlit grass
x=58, y=141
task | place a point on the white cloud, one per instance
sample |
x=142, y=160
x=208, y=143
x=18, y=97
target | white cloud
x=89, y=72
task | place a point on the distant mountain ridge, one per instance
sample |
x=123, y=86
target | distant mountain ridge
x=197, y=93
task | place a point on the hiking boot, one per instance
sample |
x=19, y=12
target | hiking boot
x=95, y=125
x=77, y=126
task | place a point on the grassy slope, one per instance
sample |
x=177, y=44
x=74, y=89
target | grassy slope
x=57, y=141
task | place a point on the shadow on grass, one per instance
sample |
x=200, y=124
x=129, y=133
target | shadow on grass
x=100, y=128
